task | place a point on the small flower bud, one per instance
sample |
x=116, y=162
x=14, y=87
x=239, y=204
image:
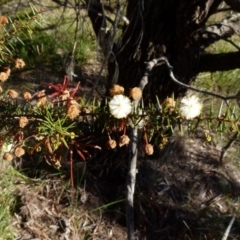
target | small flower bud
x=135, y=93
x=73, y=111
x=169, y=103
x=19, y=63
x=19, y=152
x=27, y=96
x=124, y=140
x=8, y=157
x=111, y=144
x=12, y=94
x=3, y=20
x=149, y=149
x=23, y=121
x=65, y=95
x=41, y=99
x=116, y=90
x=3, y=76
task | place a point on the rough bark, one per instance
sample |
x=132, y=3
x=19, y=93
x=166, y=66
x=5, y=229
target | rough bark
x=176, y=30
x=162, y=28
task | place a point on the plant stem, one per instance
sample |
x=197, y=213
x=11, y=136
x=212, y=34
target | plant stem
x=131, y=184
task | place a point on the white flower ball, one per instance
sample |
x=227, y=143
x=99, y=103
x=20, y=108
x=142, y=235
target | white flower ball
x=120, y=106
x=190, y=107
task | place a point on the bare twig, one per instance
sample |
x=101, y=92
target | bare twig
x=227, y=146
x=108, y=43
x=131, y=180
x=225, y=98
x=225, y=236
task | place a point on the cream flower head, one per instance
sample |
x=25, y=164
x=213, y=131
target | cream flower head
x=120, y=106
x=190, y=107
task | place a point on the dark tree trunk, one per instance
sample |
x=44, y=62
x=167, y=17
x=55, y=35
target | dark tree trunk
x=160, y=28
x=163, y=28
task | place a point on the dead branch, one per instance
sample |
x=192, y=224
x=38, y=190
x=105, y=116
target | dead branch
x=225, y=236
x=131, y=180
x=225, y=98
x=220, y=31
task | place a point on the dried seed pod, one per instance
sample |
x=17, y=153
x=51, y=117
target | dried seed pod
x=111, y=144
x=3, y=76
x=65, y=95
x=41, y=99
x=124, y=140
x=19, y=152
x=8, y=156
x=169, y=103
x=116, y=90
x=23, y=121
x=12, y=94
x=135, y=93
x=149, y=149
x=73, y=111
x=3, y=20
x=27, y=96
x=19, y=63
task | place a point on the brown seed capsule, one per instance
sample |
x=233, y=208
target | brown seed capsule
x=169, y=103
x=19, y=63
x=135, y=93
x=27, y=96
x=12, y=94
x=23, y=121
x=3, y=76
x=111, y=144
x=3, y=20
x=65, y=95
x=73, y=111
x=1, y=90
x=124, y=140
x=41, y=99
x=116, y=90
x=8, y=157
x=19, y=152
x=149, y=149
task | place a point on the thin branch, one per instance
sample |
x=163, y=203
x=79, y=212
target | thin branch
x=225, y=236
x=220, y=31
x=106, y=41
x=233, y=43
x=131, y=180
x=225, y=98
x=144, y=80
x=227, y=147
x=223, y=30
